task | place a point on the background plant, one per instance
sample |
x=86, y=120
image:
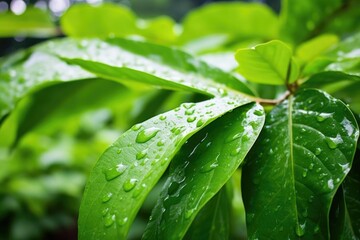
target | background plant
x=269, y=115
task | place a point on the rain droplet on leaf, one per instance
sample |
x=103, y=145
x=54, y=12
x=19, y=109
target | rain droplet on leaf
x=130, y=184
x=140, y=155
x=146, y=134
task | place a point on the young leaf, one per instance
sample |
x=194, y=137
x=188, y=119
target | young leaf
x=213, y=221
x=84, y=20
x=202, y=167
x=296, y=166
x=130, y=168
x=269, y=63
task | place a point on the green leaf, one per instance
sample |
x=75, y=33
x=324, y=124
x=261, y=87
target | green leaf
x=304, y=20
x=33, y=22
x=84, y=20
x=159, y=30
x=121, y=59
x=202, y=167
x=299, y=161
x=243, y=21
x=315, y=47
x=130, y=168
x=213, y=221
x=268, y=63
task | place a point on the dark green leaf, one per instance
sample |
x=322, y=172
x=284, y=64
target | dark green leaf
x=268, y=63
x=130, y=168
x=213, y=220
x=202, y=167
x=84, y=20
x=33, y=22
x=296, y=166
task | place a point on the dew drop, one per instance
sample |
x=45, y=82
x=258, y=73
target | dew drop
x=330, y=184
x=189, y=213
x=106, y=197
x=176, y=130
x=189, y=111
x=258, y=112
x=334, y=142
x=118, y=151
x=318, y=170
x=300, y=229
x=109, y=220
x=188, y=105
x=136, y=127
x=230, y=102
x=146, y=134
x=323, y=116
x=130, y=184
x=160, y=143
x=191, y=119
x=318, y=151
x=114, y=172
x=209, y=167
x=138, y=190
x=232, y=137
x=209, y=104
x=104, y=211
x=311, y=166
x=122, y=221
x=140, y=155
x=304, y=174
x=235, y=152
x=199, y=123
x=162, y=117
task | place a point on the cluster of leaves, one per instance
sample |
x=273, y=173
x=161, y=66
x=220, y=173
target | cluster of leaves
x=296, y=150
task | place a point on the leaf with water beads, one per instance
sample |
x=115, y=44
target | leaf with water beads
x=131, y=167
x=297, y=165
x=202, y=167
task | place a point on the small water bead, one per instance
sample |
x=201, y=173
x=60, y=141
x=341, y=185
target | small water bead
x=105, y=211
x=136, y=127
x=130, y=184
x=106, y=197
x=118, y=151
x=140, y=155
x=162, y=117
x=334, y=142
x=189, y=213
x=199, y=123
x=258, y=112
x=233, y=137
x=115, y=172
x=191, y=119
x=300, y=229
x=209, y=167
x=304, y=174
x=318, y=151
x=209, y=104
x=188, y=105
x=230, y=102
x=138, y=190
x=189, y=111
x=318, y=170
x=330, y=184
x=176, y=130
x=235, y=152
x=109, y=220
x=323, y=116
x=160, y=143
x=311, y=166
x=146, y=134
x=122, y=221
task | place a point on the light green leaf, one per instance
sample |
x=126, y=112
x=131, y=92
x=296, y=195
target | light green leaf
x=129, y=169
x=269, y=63
x=315, y=47
x=202, y=167
x=213, y=220
x=299, y=161
x=235, y=20
x=33, y=22
x=84, y=20
x=159, y=30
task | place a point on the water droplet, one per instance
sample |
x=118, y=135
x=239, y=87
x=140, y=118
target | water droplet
x=210, y=104
x=311, y=166
x=146, y=134
x=176, y=130
x=140, y=155
x=118, y=151
x=188, y=105
x=130, y=184
x=136, y=127
x=300, y=229
x=177, y=109
x=160, y=143
x=122, y=221
x=104, y=211
x=138, y=190
x=323, y=116
x=345, y=168
x=164, y=161
x=235, y=152
x=258, y=112
x=189, y=213
x=162, y=117
x=318, y=170
x=318, y=151
x=199, y=123
x=209, y=167
x=233, y=137
x=330, y=184
x=114, y=172
x=191, y=119
x=230, y=102
x=189, y=111
x=304, y=174
x=222, y=92
x=109, y=220
x=334, y=142
x=106, y=197
x=316, y=229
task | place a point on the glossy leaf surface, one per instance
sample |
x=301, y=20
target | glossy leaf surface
x=269, y=63
x=213, y=220
x=130, y=168
x=202, y=167
x=299, y=161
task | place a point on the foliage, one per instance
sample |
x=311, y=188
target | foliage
x=278, y=127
